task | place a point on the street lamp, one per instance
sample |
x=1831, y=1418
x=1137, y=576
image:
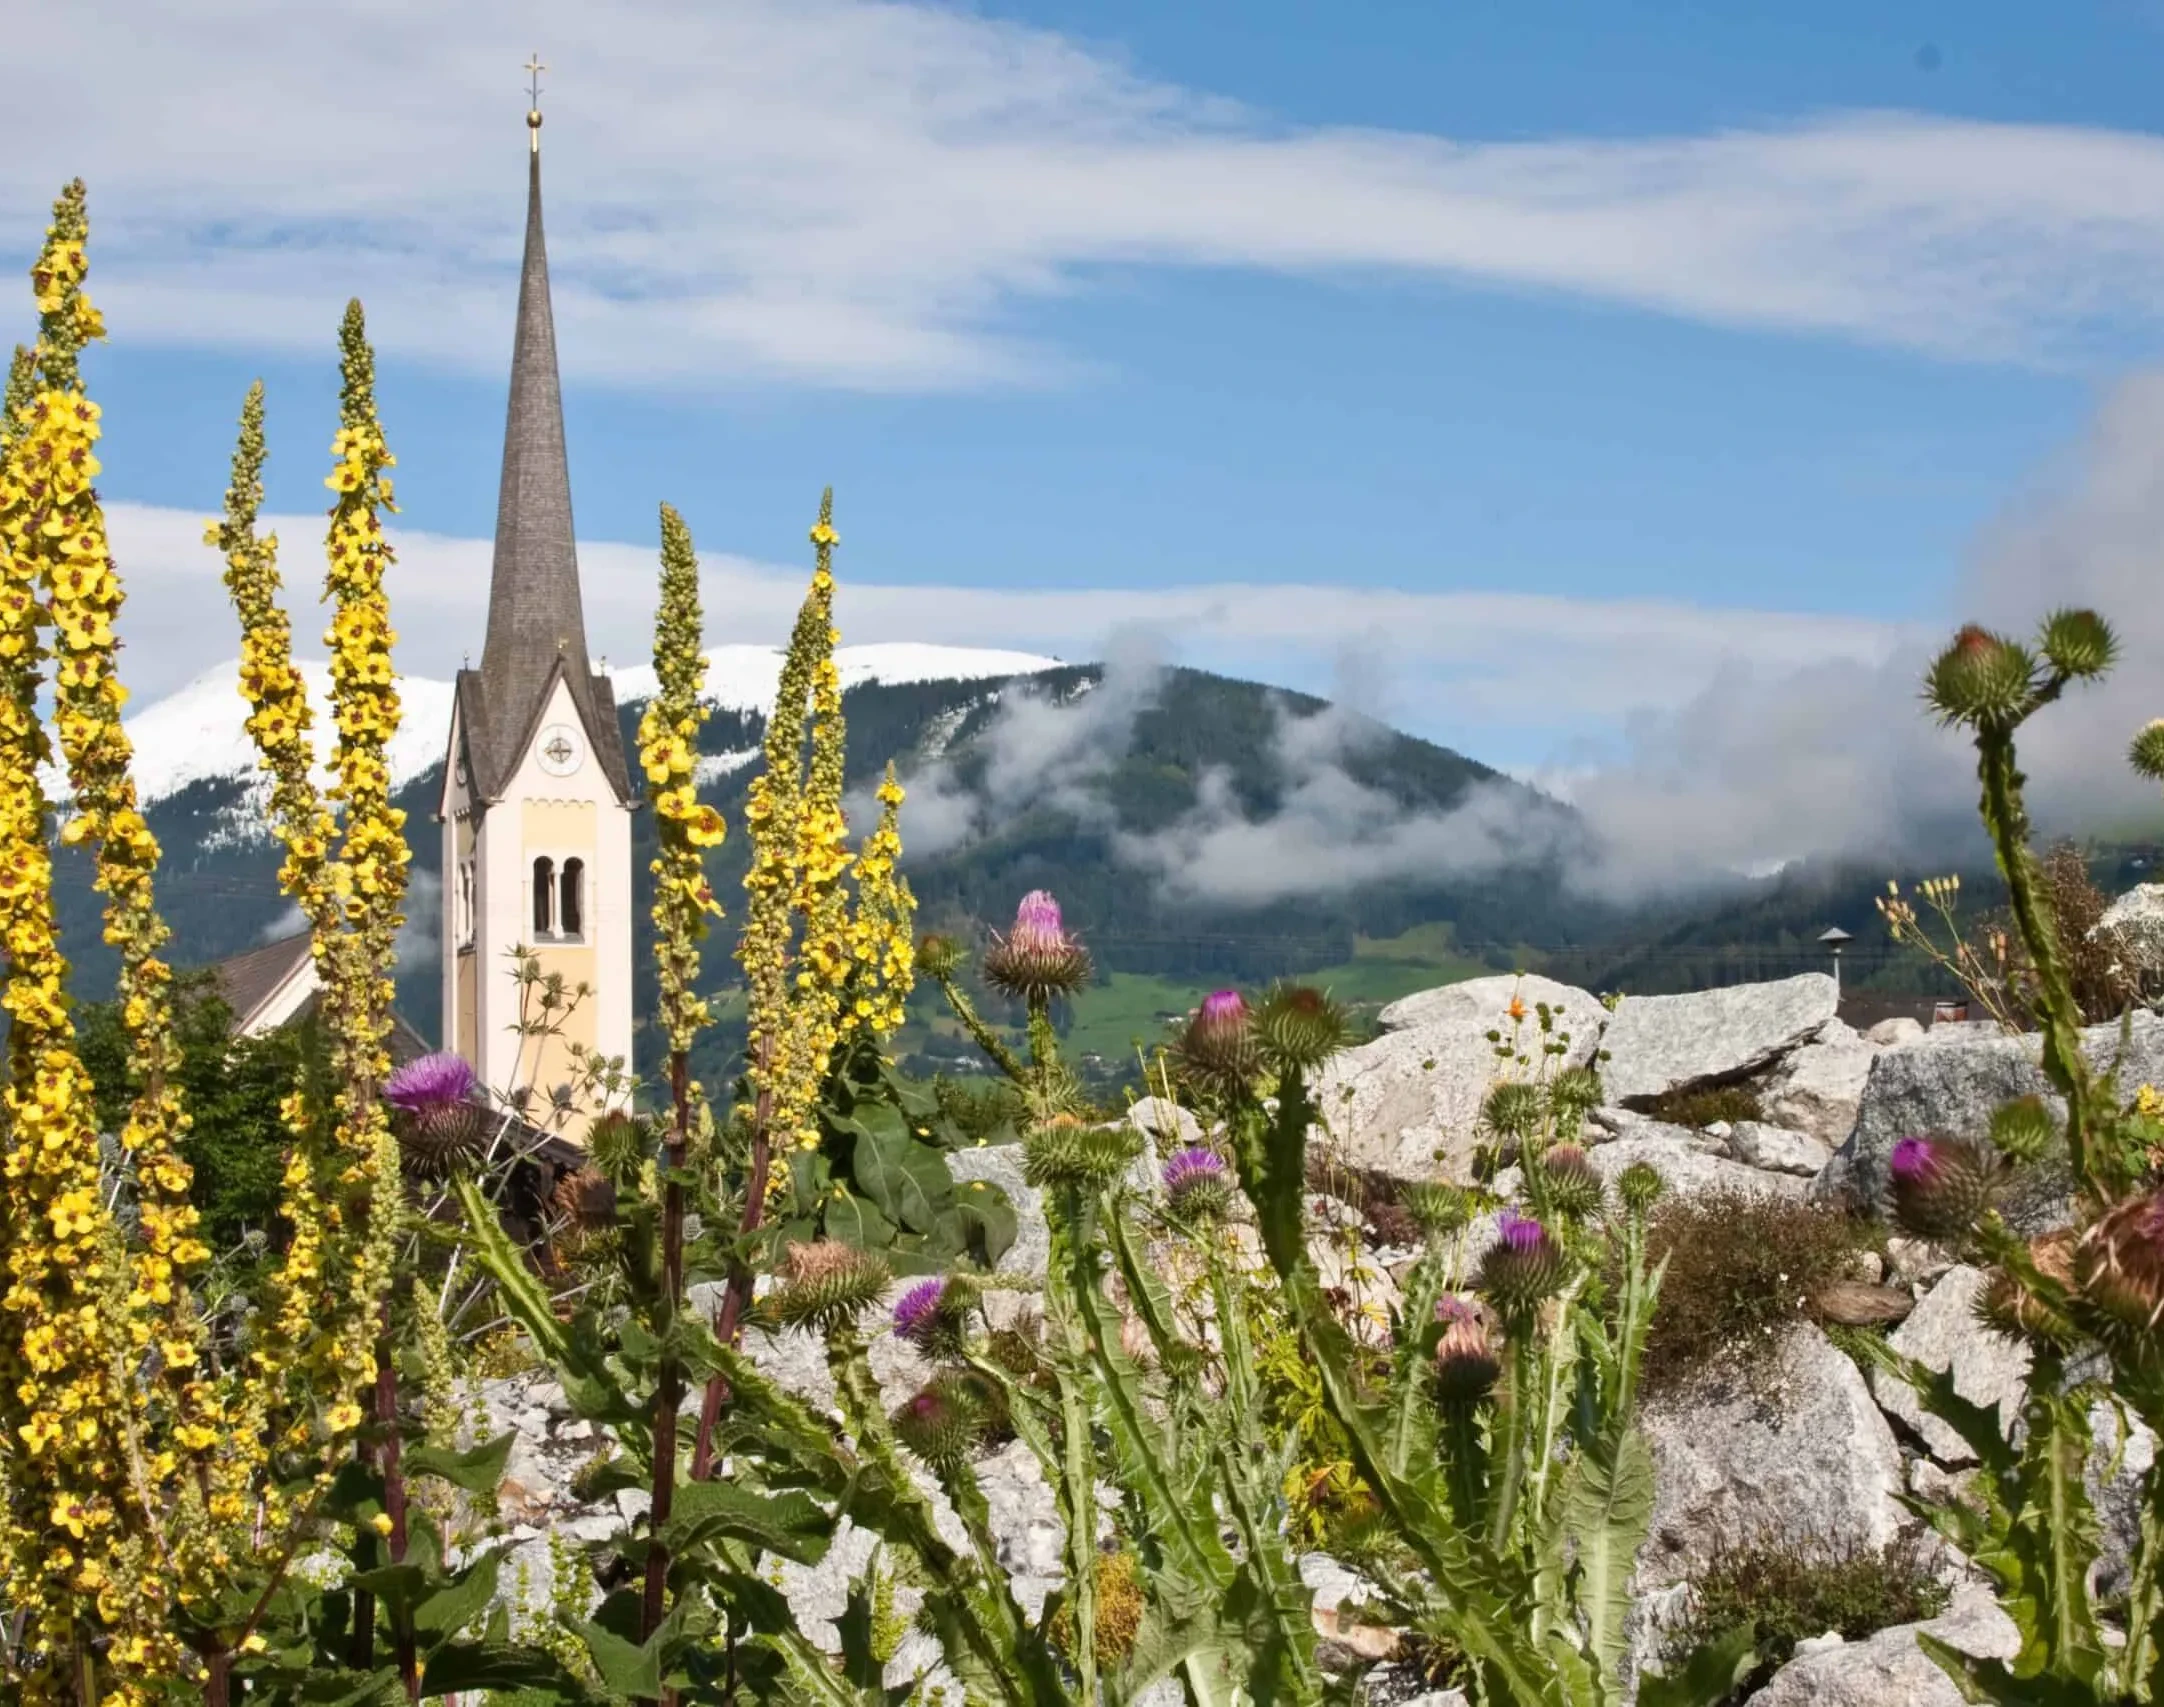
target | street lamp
x=1836, y=939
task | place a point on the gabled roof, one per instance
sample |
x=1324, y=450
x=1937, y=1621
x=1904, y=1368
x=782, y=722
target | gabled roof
x=251, y=982
x=536, y=621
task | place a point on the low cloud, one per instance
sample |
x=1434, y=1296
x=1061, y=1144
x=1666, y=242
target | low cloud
x=419, y=945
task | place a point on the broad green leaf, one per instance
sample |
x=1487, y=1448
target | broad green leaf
x=989, y=1220
x=858, y=1221
x=908, y=1180
x=477, y=1472
x=461, y=1666
x=451, y=1608
x=1708, y=1676
x=792, y=1525
x=1607, y=1509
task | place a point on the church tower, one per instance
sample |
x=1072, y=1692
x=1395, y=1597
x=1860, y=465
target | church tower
x=537, y=799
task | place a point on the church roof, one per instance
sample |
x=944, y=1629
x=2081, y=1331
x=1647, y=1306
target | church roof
x=536, y=623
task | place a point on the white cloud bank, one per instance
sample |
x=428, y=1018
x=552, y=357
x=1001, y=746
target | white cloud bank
x=865, y=194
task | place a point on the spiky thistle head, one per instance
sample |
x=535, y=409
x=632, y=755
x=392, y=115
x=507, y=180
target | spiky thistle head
x=826, y=1285
x=1217, y=1049
x=2008, y=1306
x=1064, y=1151
x=1298, y=1028
x=1038, y=958
x=2146, y=753
x=1573, y=1187
x=586, y=1198
x=1576, y=1091
x=1982, y=679
x=1942, y=1186
x=1439, y=1208
x=2024, y=1129
x=1640, y=1186
x=1523, y=1266
x=440, y=1125
x=1197, y=1185
x=2079, y=644
x=1466, y=1367
x=941, y=1422
x=2119, y=1264
x=938, y=956
x=1513, y=1110
x=619, y=1144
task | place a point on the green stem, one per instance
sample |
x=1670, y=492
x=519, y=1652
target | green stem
x=981, y=1034
x=1079, y=1474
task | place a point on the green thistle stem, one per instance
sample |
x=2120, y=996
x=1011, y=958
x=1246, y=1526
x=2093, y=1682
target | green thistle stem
x=985, y=1038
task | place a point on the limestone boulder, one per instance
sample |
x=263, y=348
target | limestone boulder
x=1779, y=1150
x=1817, y=1089
x=1795, y=1449
x=1942, y=1332
x=1001, y=1165
x=1889, y=1669
x=1950, y=1088
x=1408, y=1103
x=2137, y=920
x=1689, y=1166
x=1892, y=1033
x=1664, y=1043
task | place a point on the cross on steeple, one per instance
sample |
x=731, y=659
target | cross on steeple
x=533, y=69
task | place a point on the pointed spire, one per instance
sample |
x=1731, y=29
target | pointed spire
x=536, y=622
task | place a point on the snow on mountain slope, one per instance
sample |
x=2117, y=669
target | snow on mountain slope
x=744, y=678
x=199, y=731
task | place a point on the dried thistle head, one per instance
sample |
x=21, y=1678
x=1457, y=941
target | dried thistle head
x=585, y=1197
x=828, y=1286
x=2119, y=1264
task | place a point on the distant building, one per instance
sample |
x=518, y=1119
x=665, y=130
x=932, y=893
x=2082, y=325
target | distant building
x=276, y=984
x=537, y=800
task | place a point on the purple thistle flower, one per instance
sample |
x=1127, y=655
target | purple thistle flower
x=1196, y=1168
x=430, y=1083
x=1037, y=959
x=1941, y=1187
x=917, y=1312
x=1223, y=1007
x=1916, y=1160
x=1520, y=1232
x=1218, y=1047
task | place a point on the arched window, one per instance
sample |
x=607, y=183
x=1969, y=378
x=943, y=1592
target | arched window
x=571, y=910
x=544, y=897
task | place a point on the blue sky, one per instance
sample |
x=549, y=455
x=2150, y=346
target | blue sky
x=1102, y=407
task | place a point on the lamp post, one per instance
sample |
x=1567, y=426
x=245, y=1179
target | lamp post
x=1835, y=940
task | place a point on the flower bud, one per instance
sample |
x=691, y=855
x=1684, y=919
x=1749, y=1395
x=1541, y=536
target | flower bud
x=1466, y=1367
x=1979, y=679
x=1942, y=1187
x=1640, y=1186
x=1218, y=1047
x=2120, y=1262
x=1573, y=1187
x=2146, y=754
x=2079, y=643
x=1298, y=1028
x=938, y=956
x=1522, y=1267
x=940, y=1423
x=1037, y=959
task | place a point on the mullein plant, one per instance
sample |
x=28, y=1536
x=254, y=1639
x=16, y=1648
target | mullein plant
x=2086, y=1299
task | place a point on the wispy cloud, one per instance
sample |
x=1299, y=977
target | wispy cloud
x=867, y=194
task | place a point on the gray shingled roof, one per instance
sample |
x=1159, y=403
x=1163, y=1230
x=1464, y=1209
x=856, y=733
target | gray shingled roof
x=536, y=625
x=248, y=979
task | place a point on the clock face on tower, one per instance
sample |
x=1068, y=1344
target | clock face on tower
x=561, y=750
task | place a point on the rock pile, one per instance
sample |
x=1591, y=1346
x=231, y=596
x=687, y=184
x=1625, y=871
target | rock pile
x=1816, y=1451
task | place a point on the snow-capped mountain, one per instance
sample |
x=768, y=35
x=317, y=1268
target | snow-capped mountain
x=198, y=731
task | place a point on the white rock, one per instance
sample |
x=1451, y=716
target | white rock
x=2115, y=1475
x=2138, y=919
x=1818, y=1088
x=1001, y=1165
x=1943, y=1332
x=1483, y=1003
x=1689, y=1168
x=1895, y=1032
x=1662, y=1043
x=1797, y=1448
x=1776, y=1150
x=1408, y=1103
x=1889, y=1669
x=1824, y=1644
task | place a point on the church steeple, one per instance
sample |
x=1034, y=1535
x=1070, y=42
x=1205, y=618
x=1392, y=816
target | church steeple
x=536, y=622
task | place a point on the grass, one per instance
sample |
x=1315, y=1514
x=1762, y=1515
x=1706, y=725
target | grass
x=1741, y=1269
x=1789, y=1592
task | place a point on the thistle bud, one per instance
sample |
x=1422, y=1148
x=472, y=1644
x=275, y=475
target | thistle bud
x=619, y=1144
x=1980, y=679
x=1573, y=1187
x=1512, y=1110
x=1298, y=1028
x=940, y=1423
x=1942, y=1187
x=2008, y=1307
x=1196, y=1184
x=586, y=1198
x=1640, y=1186
x=825, y=1285
x=439, y=1126
x=1522, y=1267
x=933, y=1314
x=1466, y=1367
x=2146, y=754
x=2079, y=643
x=938, y=956
x=1218, y=1047
x=2119, y=1264
x=1037, y=959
